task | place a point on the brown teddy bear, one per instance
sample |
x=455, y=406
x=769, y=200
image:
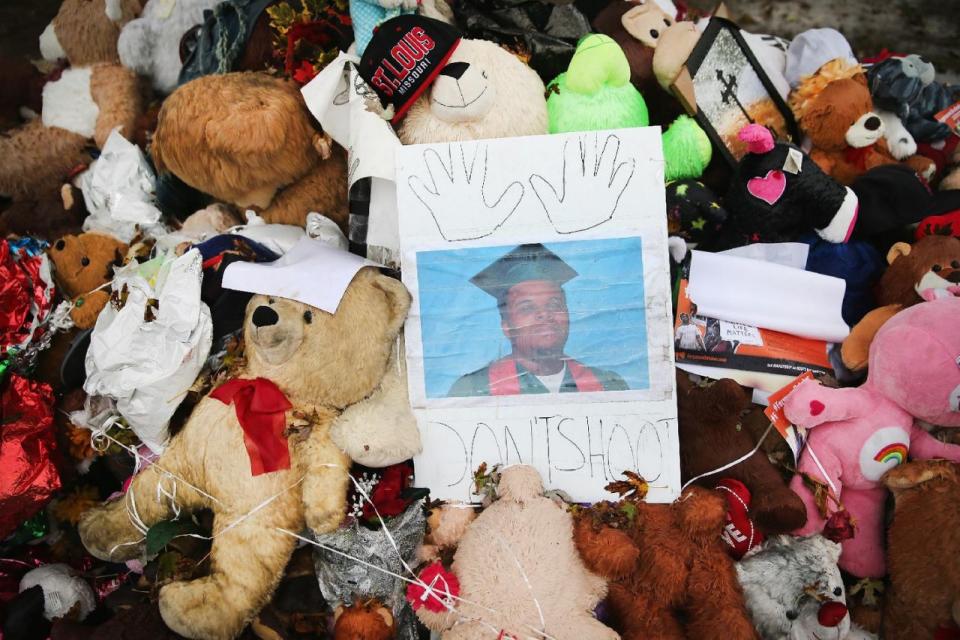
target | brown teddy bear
x=923, y=551
x=83, y=263
x=87, y=101
x=364, y=620
x=519, y=572
x=52, y=215
x=929, y=268
x=637, y=27
x=303, y=366
x=834, y=108
x=248, y=139
x=670, y=576
x=712, y=434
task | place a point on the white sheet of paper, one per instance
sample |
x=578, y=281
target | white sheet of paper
x=467, y=201
x=787, y=254
x=312, y=272
x=764, y=294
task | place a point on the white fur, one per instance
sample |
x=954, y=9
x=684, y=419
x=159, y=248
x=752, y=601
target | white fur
x=114, y=10
x=380, y=430
x=150, y=45
x=859, y=136
x=50, y=47
x=899, y=141
x=68, y=103
x=465, y=99
x=840, y=226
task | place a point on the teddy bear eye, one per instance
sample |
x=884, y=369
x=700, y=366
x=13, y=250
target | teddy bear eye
x=838, y=591
x=666, y=21
x=936, y=268
x=85, y=261
x=654, y=33
x=955, y=264
x=308, y=316
x=60, y=245
x=792, y=615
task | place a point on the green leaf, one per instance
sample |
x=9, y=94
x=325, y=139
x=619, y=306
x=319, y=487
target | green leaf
x=160, y=534
x=630, y=510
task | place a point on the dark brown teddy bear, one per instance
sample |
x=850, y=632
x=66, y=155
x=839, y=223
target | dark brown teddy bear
x=670, y=575
x=712, y=435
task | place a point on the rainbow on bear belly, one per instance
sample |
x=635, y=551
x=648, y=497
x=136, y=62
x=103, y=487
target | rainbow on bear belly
x=884, y=450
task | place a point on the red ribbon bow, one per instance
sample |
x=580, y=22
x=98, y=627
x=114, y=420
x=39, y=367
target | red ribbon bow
x=260, y=406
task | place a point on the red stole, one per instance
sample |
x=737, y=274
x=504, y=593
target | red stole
x=260, y=407
x=504, y=379
x=857, y=156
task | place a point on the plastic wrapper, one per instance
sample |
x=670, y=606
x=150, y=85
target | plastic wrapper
x=547, y=33
x=119, y=191
x=26, y=295
x=28, y=476
x=341, y=578
x=150, y=342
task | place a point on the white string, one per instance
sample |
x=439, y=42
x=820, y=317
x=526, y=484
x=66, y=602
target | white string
x=730, y=464
x=523, y=574
x=823, y=471
x=416, y=580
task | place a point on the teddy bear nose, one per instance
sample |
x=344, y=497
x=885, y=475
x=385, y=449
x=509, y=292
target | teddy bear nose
x=831, y=613
x=60, y=245
x=455, y=70
x=264, y=317
x=872, y=123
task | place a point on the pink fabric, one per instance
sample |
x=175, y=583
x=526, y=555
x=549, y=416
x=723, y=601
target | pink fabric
x=857, y=435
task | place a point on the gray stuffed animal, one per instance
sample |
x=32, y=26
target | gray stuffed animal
x=794, y=591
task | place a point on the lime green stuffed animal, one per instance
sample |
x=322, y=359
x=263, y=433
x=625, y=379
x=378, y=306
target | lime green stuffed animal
x=595, y=93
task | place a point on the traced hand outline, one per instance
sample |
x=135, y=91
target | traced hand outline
x=592, y=170
x=454, y=194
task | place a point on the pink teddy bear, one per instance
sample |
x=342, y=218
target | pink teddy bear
x=857, y=435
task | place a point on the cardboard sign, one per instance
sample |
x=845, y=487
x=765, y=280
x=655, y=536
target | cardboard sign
x=540, y=326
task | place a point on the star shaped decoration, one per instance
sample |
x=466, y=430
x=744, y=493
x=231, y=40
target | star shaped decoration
x=698, y=224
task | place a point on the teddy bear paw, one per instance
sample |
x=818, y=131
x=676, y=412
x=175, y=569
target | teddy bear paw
x=107, y=533
x=200, y=609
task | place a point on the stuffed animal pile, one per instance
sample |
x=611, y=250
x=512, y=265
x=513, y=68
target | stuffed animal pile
x=207, y=426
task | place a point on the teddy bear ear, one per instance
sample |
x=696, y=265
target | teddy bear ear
x=384, y=613
x=398, y=299
x=912, y=474
x=897, y=250
x=338, y=612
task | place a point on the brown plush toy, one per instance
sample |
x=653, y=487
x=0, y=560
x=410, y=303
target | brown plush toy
x=54, y=214
x=637, y=26
x=671, y=578
x=712, y=435
x=928, y=269
x=302, y=367
x=923, y=551
x=364, y=620
x=82, y=263
x=834, y=108
x=86, y=102
x=248, y=139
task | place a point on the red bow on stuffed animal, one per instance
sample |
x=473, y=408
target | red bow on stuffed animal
x=261, y=407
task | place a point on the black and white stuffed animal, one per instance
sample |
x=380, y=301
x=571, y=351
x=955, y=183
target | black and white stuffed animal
x=777, y=193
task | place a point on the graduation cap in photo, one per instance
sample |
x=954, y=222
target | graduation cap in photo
x=526, y=262
x=404, y=57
